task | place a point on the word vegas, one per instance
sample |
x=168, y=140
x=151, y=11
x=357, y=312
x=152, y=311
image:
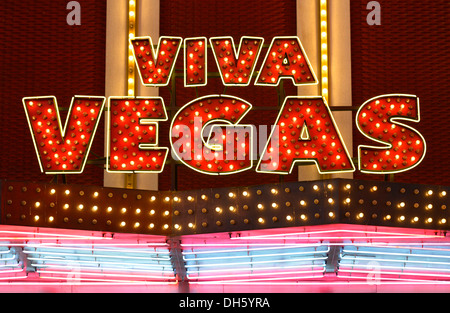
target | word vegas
x=304, y=131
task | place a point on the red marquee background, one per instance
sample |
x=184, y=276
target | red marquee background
x=42, y=55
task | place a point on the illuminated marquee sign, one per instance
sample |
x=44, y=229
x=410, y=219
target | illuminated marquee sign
x=206, y=134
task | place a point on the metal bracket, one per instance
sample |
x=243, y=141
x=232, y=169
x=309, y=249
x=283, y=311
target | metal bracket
x=179, y=268
x=333, y=259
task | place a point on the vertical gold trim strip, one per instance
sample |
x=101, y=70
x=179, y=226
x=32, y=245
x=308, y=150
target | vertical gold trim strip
x=324, y=48
x=130, y=179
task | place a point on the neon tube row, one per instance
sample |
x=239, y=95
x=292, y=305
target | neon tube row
x=255, y=263
x=296, y=257
x=387, y=263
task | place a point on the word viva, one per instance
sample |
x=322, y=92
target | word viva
x=206, y=134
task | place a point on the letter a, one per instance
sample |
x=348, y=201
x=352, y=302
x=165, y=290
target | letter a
x=74, y=17
x=307, y=133
x=286, y=59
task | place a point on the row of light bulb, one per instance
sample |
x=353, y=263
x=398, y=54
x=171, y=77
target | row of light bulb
x=245, y=193
x=131, y=34
x=324, y=46
x=275, y=192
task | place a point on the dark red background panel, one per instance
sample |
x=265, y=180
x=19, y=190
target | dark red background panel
x=41, y=55
x=214, y=18
x=407, y=53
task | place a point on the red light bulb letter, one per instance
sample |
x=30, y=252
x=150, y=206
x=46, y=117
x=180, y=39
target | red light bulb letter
x=307, y=132
x=195, y=62
x=155, y=68
x=63, y=150
x=228, y=147
x=133, y=135
x=404, y=147
x=286, y=58
x=236, y=68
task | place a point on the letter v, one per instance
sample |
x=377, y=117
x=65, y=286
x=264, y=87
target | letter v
x=236, y=67
x=155, y=67
x=63, y=150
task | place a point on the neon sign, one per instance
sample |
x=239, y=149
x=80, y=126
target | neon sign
x=305, y=130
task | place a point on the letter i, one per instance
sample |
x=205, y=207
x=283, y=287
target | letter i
x=195, y=62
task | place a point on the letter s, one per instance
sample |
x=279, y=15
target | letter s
x=404, y=147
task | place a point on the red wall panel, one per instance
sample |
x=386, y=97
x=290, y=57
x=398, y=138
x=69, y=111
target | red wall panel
x=42, y=55
x=214, y=18
x=407, y=53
